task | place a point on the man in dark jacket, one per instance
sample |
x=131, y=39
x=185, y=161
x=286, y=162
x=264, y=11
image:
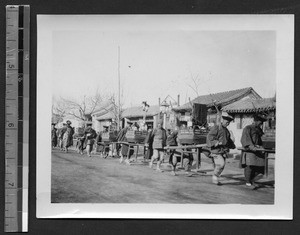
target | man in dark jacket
x=252, y=160
x=149, y=143
x=159, y=142
x=219, y=142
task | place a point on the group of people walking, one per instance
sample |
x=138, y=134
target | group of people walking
x=219, y=142
x=63, y=137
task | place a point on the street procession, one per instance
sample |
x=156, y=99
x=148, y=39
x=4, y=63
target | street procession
x=154, y=116
x=177, y=140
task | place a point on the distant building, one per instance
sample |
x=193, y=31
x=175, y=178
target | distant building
x=213, y=102
x=136, y=114
x=103, y=116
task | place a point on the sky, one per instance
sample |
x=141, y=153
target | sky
x=158, y=63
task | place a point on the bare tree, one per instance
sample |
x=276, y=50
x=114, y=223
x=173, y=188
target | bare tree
x=80, y=110
x=115, y=108
x=58, y=111
x=196, y=82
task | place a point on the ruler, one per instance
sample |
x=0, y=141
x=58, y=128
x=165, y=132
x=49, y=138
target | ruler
x=17, y=118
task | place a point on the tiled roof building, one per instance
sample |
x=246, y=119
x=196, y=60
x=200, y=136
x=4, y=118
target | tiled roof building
x=221, y=98
x=251, y=106
x=137, y=111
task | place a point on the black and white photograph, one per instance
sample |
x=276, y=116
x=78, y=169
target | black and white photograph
x=160, y=116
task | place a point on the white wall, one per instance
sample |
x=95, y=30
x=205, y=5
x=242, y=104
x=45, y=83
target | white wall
x=247, y=119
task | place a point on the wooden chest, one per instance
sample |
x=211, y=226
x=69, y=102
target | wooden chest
x=268, y=139
x=192, y=137
x=110, y=136
x=136, y=136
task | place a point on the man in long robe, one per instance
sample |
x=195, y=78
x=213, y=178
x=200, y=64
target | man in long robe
x=124, y=149
x=252, y=159
x=60, y=134
x=68, y=136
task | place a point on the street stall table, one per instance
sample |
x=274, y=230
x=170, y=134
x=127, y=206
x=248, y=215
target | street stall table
x=266, y=153
x=187, y=149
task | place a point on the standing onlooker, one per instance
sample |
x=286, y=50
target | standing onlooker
x=90, y=135
x=159, y=142
x=252, y=160
x=219, y=141
x=53, y=136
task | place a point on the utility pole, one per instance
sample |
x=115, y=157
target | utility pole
x=119, y=84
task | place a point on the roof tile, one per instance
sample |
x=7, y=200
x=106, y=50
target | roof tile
x=251, y=105
x=219, y=98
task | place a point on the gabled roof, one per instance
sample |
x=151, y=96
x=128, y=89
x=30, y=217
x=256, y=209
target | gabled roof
x=103, y=108
x=106, y=116
x=220, y=99
x=137, y=111
x=251, y=105
x=103, y=112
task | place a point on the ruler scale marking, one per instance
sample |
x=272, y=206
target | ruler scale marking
x=17, y=111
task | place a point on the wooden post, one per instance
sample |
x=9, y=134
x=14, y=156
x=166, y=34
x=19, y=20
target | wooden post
x=165, y=121
x=154, y=121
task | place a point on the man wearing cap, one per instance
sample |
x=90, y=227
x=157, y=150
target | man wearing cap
x=68, y=132
x=219, y=142
x=159, y=142
x=253, y=160
x=122, y=138
x=90, y=135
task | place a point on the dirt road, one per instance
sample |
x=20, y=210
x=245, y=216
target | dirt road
x=80, y=179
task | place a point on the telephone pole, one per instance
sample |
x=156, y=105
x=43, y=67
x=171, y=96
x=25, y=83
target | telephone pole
x=119, y=84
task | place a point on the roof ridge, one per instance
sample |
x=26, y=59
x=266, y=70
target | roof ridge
x=225, y=92
x=240, y=89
